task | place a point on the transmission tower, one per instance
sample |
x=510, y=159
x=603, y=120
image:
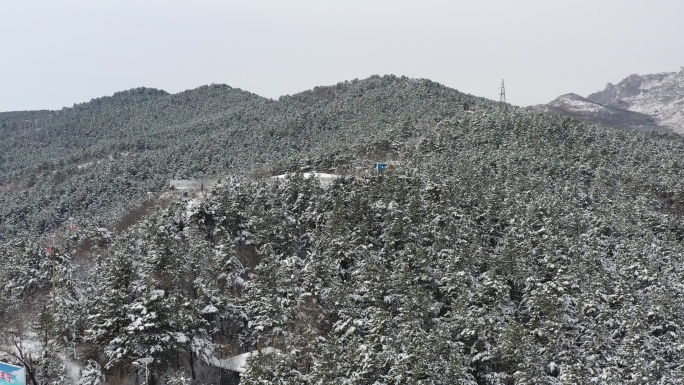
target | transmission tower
x=502, y=96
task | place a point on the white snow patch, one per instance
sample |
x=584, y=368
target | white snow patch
x=323, y=178
x=238, y=363
x=577, y=104
x=192, y=205
x=209, y=309
x=84, y=165
x=73, y=368
x=658, y=95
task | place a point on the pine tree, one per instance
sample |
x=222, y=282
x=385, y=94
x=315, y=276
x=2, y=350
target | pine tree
x=109, y=314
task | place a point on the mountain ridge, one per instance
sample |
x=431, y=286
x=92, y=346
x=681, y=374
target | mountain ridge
x=641, y=102
x=211, y=130
x=582, y=108
x=658, y=95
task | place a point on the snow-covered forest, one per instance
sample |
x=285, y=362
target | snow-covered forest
x=506, y=246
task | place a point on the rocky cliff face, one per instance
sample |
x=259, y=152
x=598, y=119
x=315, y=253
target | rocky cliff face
x=581, y=108
x=640, y=102
x=660, y=96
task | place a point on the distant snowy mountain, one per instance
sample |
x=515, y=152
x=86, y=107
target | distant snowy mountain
x=641, y=102
x=581, y=108
x=660, y=96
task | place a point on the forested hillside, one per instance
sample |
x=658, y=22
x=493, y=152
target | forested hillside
x=97, y=161
x=506, y=247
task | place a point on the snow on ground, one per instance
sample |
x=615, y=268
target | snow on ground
x=73, y=368
x=238, y=363
x=324, y=179
x=84, y=165
x=192, y=205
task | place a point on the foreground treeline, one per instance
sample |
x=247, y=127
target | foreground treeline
x=506, y=248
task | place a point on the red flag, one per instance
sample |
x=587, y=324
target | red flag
x=49, y=250
x=73, y=227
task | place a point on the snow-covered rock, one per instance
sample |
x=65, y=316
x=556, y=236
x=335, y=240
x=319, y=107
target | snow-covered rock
x=660, y=96
x=639, y=102
x=581, y=108
x=574, y=102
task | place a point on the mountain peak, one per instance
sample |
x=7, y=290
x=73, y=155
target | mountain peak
x=660, y=96
x=582, y=108
x=651, y=101
x=574, y=102
x=570, y=95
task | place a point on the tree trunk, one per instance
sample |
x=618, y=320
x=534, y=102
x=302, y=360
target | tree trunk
x=192, y=365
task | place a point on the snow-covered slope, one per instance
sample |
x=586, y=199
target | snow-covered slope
x=578, y=107
x=574, y=102
x=660, y=96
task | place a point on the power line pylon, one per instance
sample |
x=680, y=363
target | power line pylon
x=502, y=96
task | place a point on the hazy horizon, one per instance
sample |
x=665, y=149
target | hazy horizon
x=60, y=54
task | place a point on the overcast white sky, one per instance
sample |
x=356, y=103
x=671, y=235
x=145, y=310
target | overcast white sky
x=57, y=53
